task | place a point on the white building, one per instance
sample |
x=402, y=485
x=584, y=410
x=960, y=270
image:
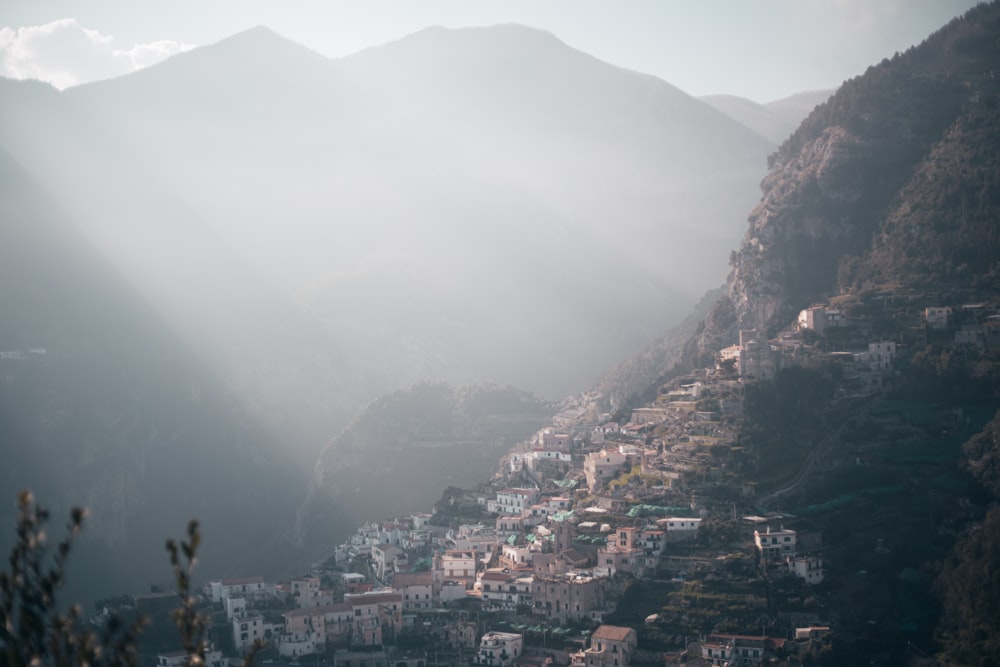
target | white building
x=775, y=544
x=879, y=355
x=504, y=590
x=611, y=646
x=417, y=589
x=459, y=566
x=306, y=592
x=248, y=587
x=679, y=527
x=386, y=559
x=248, y=630
x=733, y=650
x=937, y=317
x=807, y=568
x=813, y=318
x=602, y=466
x=513, y=501
x=499, y=649
x=235, y=607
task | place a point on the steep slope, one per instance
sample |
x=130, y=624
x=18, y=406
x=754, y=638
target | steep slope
x=430, y=437
x=883, y=203
x=849, y=196
x=101, y=406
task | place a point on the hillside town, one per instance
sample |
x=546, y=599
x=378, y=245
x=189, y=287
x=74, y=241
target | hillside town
x=602, y=541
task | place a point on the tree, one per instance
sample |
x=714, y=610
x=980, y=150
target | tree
x=35, y=633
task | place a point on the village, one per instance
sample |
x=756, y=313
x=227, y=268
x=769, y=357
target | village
x=586, y=527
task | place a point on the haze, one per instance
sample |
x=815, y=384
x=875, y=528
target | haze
x=762, y=51
x=224, y=244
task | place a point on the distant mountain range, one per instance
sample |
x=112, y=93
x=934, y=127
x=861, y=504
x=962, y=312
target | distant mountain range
x=464, y=205
x=773, y=120
x=228, y=254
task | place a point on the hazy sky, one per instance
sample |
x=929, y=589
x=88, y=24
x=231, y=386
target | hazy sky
x=761, y=49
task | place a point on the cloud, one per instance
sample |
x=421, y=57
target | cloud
x=64, y=53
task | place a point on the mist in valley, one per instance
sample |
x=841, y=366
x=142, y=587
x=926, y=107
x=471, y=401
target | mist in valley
x=213, y=265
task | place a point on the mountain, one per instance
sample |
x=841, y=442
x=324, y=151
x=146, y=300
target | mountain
x=571, y=130
x=102, y=406
x=796, y=107
x=403, y=449
x=481, y=205
x=772, y=120
x=881, y=204
x=887, y=184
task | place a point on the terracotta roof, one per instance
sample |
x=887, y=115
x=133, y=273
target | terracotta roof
x=612, y=633
x=412, y=579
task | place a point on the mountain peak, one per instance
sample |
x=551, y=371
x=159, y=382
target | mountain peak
x=239, y=64
x=261, y=43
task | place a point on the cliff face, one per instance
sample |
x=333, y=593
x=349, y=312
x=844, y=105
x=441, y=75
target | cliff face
x=875, y=179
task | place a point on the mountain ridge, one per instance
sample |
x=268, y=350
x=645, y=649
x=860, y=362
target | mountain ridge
x=773, y=120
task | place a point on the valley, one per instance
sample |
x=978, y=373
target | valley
x=315, y=301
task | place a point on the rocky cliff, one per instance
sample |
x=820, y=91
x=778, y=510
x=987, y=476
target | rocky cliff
x=887, y=182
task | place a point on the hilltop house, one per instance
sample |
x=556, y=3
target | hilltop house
x=459, y=566
x=775, y=544
x=377, y=615
x=505, y=589
x=572, y=596
x=600, y=467
x=937, y=317
x=499, y=649
x=512, y=501
x=387, y=559
x=679, y=528
x=307, y=630
x=807, y=568
x=611, y=646
x=246, y=587
x=417, y=589
x=754, y=357
x=734, y=650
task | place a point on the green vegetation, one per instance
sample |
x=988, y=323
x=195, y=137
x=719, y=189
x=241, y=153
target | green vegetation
x=635, y=477
x=36, y=632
